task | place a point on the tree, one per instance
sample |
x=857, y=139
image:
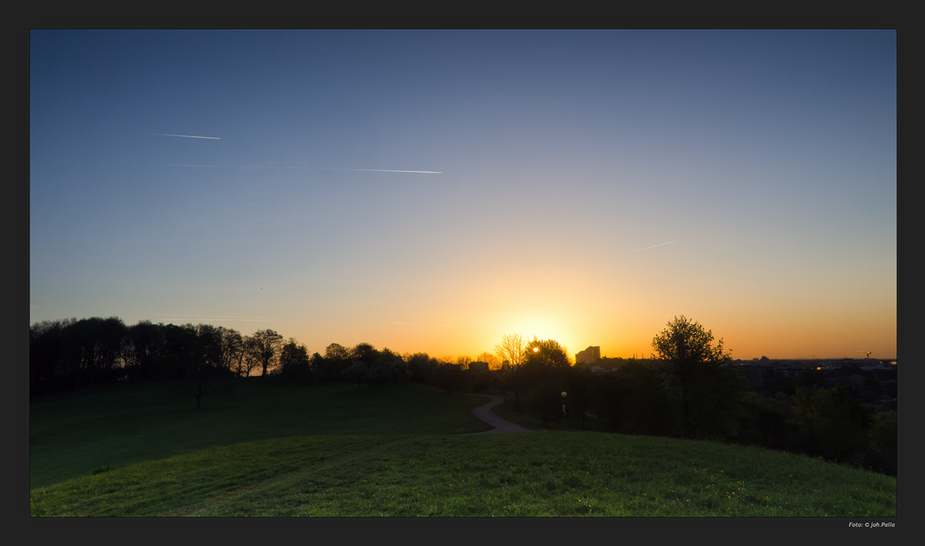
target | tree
x=267, y=344
x=46, y=343
x=232, y=349
x=701, y=377
x=450, y=377
x=336, y=360
x=579, y=382
x=248, y=358
x=632, y=400
x=357, y=372
x=835, y=425
x=93, y=348
x=494, y=363
x=545, y=361
x=422, y=367
x=546, y=353
x=205, y=378
x=511, y=349
x=181, y=351
x=393, y=366
x=144, y=349
x=294, y=362
x=210, y=344
x=545, y=400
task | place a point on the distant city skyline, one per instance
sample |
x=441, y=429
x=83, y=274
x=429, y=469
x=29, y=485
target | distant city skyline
x=432, y=191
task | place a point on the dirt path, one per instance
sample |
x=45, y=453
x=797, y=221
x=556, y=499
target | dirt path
x=484, y=413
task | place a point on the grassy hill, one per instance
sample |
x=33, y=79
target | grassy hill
x=392, y=450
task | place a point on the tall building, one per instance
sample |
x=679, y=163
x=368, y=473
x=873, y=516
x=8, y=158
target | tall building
x=589, y=355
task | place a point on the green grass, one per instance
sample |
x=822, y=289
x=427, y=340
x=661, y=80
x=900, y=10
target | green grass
x=535, y=474
x=73, y=435
x=392, y=451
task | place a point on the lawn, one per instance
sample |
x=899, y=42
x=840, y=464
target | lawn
x=393, y=451
x=73, y=435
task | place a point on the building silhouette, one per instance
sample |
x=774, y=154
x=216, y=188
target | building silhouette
x=588, y=356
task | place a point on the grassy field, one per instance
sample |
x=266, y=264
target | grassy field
x=73, y=435
x=392, y=451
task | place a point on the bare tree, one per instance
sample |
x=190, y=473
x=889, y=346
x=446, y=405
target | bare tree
x=248, y=358
x=267, y=344
x=511, y=348
x=232, y=348
x=494, y=363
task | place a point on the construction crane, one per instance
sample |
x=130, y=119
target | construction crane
x=866, y=353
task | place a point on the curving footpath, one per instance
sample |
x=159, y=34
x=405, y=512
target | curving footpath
x=484, y=413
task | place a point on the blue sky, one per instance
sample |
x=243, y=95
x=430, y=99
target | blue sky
x=585, y=186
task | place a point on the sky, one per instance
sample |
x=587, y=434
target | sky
x=432, y=191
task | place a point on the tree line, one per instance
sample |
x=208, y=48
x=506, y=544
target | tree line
x=77, y=354
x=690, y=389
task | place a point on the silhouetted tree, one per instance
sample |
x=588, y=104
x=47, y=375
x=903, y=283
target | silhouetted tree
x=232, y=349
x=210, y=351
x=545, y=400
x=422, y=367
x=579, y=386
x=248, y=358
x=336, y=359
x=394, y=367
x=93, y=349
x=46, y=351
x=145, y=348
x=511, y=350
x=357, y=372
x=365, y=353
x=494, y=363
x=632, y=400
x=545, y=359
x=267, y=344
x=883, y=442
x=294, y=362
x=181, y=350
x=450, y=377
x=702, y=378
x=835, y=424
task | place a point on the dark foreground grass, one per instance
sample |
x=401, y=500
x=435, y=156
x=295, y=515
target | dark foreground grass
x=525, y=474
x=76, y=434
x=392, y=450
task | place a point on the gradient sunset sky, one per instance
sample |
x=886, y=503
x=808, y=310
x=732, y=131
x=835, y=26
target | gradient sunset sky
x=434, y=190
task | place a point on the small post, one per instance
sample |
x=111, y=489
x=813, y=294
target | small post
x=564, y=411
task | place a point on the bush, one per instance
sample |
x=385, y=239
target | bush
x=881, y=455
x=631, y=400
x=833, y=424
x=545, y=400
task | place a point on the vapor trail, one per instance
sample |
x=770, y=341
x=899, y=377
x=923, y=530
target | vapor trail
x=300, y=168
x=647, y=248
x=188, y=136
x=387, y=171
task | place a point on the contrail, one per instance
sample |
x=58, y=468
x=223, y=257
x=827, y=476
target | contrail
x=387, y=171
x=188, y=136
x=301, y=168
x=648, y=247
